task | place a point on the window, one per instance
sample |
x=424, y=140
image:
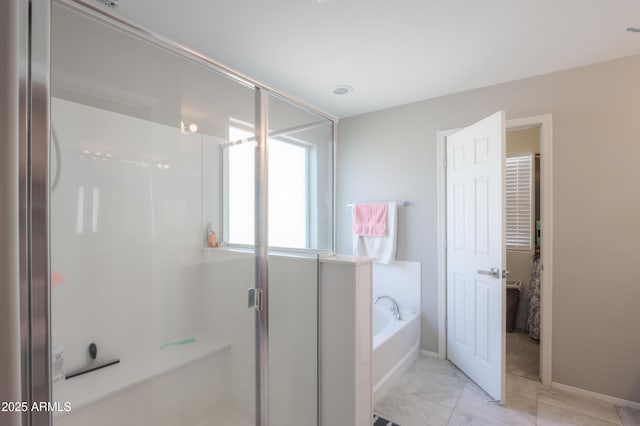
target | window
x=240, y=192
x=288, y=194
x=289, y=191
x=519, y=206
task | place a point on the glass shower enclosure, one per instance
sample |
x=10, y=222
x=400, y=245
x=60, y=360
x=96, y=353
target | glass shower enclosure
x=170, y=176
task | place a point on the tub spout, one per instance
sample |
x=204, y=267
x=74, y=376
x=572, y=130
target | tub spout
x=394, y=305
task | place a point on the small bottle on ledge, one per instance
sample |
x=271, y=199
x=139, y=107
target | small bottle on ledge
x=211, y=239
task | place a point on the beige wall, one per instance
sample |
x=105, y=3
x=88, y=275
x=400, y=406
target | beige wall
x=523, y=141
x=391, y=155
x=520, y=262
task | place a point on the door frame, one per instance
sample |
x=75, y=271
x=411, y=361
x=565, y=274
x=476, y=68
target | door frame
x=544, y=122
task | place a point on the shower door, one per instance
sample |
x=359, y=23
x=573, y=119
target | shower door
x=298, y=183
x=149, y=316
x=135, y=306
x=300, y=217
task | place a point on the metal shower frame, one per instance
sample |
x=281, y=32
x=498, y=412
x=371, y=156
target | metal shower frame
x=34, y=34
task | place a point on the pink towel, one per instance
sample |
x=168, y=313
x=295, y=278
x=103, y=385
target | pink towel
x=370, y=219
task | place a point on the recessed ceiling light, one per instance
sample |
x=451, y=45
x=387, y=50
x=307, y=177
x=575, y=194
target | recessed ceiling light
x=188, y=129
x=342, y=89
x=633, y=30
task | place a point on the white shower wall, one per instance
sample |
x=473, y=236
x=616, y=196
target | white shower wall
x=129, y=219
x=127, y=215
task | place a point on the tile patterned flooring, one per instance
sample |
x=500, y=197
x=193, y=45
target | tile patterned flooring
x=523, y=355
x=435, y=392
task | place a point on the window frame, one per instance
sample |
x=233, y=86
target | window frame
x=311, y=177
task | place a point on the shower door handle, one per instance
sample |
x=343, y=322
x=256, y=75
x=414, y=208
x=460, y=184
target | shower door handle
x=494, y=272
x=255, y=299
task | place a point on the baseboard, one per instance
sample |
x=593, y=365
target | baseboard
x=429, y=353
x=595, y=395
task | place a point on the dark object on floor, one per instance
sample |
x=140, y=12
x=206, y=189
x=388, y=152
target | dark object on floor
x=513, y=298
x=628, y=416
x=379, y=421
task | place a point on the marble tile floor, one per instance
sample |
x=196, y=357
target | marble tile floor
x=435, y=392
x=523, y=355
x=226, y=415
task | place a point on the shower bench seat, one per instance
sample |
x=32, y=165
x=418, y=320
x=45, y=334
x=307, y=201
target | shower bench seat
x=134, y=370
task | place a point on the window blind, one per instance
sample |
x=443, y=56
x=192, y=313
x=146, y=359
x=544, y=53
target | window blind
x=519, y=189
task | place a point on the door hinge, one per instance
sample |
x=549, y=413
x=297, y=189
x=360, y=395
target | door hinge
x=445, y=243
x=255, y=298
x=446, y=324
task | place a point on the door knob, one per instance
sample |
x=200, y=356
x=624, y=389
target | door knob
x=493, y=272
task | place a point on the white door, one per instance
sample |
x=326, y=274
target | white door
x=475, y=253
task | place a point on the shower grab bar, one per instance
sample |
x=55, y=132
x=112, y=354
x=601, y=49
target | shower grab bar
x=91, y=367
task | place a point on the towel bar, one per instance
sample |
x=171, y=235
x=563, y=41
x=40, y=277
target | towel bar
x=399, y=203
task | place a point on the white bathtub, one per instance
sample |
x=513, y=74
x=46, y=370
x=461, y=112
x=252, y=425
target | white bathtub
x=395, y=347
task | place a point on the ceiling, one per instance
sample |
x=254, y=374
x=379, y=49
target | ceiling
x=393, y=52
